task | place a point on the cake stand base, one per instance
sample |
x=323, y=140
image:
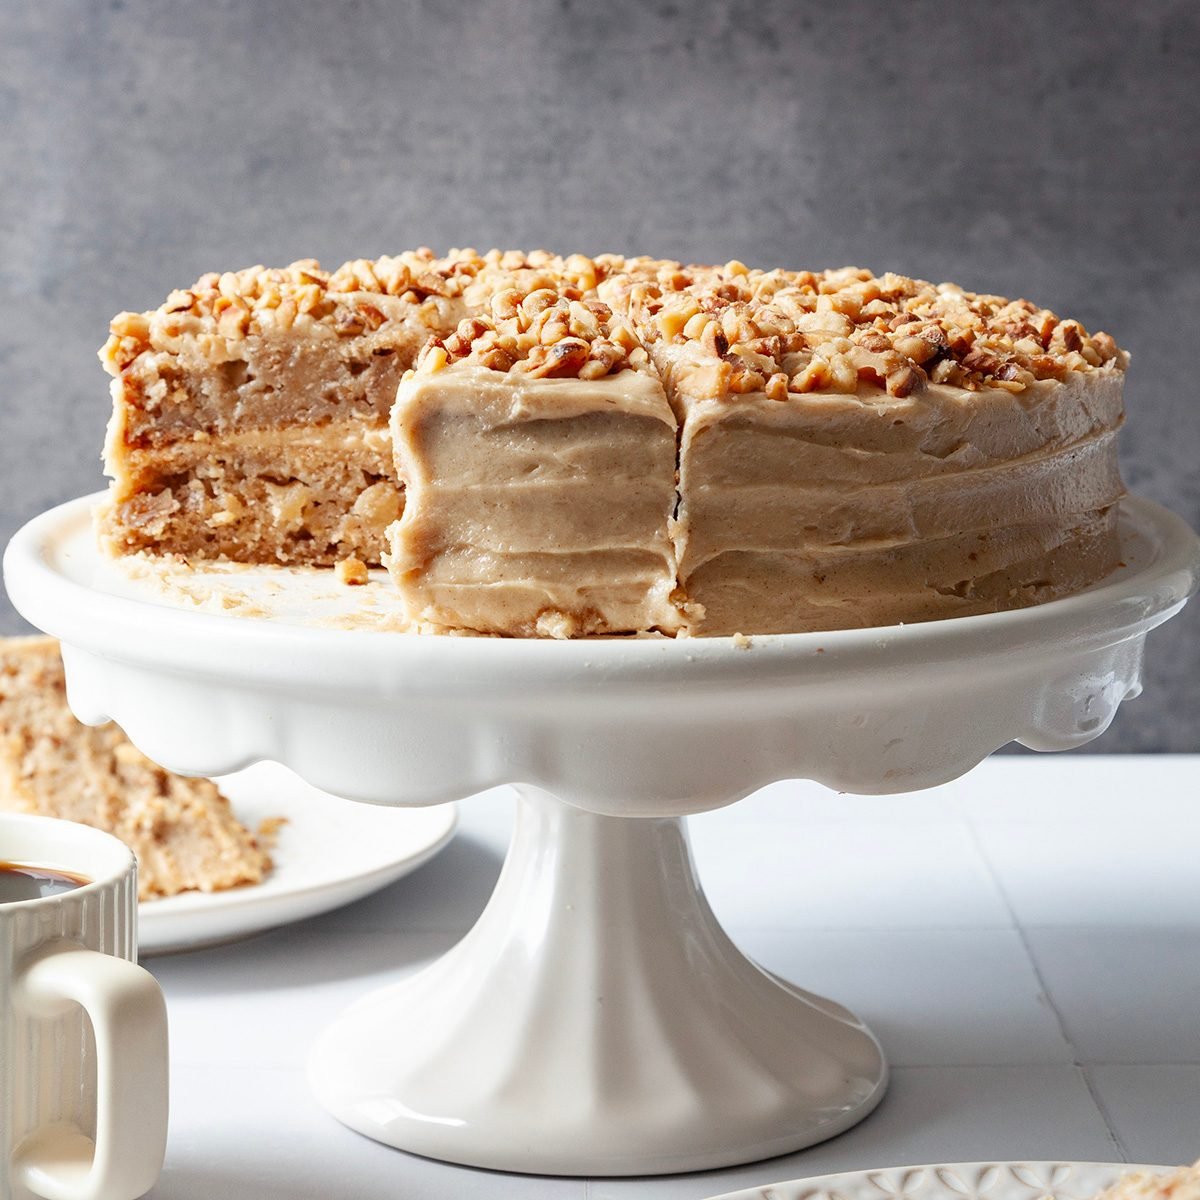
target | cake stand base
x=597, y=1021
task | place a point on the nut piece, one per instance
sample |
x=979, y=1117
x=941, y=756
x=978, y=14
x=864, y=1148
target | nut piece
x=352, y=572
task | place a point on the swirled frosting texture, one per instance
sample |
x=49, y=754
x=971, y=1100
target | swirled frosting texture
x=834, y=511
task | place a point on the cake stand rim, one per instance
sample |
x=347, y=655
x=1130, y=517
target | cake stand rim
x=176, y=638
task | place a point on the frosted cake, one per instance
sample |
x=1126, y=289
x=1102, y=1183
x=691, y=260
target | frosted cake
x=548, y=446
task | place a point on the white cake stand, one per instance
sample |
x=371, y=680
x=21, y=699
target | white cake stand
x=596, y=1020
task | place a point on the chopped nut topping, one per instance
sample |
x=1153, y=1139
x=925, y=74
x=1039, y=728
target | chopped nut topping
x=837, y=330
x=544, y=333
x=436, y=291
x=734, y=329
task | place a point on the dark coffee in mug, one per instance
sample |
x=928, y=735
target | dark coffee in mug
x=28, y=881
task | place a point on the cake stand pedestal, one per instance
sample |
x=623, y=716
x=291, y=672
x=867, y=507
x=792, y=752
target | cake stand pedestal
x=596, y=1020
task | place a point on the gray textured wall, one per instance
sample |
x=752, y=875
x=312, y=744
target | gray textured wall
x=1044, y=149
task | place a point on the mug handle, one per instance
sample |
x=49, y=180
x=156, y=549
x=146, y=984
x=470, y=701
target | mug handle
x=129, y=1018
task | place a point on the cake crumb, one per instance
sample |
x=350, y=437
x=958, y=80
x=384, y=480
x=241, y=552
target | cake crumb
x=741, y=641
x=554, y=624
x=352, y=572
x=267, y=832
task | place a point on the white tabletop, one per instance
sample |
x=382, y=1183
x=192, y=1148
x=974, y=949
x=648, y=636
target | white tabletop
x=1025, y=942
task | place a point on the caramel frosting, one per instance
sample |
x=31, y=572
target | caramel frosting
x=535, y=506
x=946, y=500
x=858, y=587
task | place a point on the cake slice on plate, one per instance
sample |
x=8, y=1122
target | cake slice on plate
x=183, y=831
x=1180, y=1184
x=537, y=451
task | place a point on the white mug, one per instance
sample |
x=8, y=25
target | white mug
x=83, y=1028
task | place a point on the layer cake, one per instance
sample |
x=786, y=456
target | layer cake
x=612, y=445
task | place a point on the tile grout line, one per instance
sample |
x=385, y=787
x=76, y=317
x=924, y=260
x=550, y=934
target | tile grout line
x=730, y=928
x=1098, y=1101
x=1022, y=936
x=217, y=1066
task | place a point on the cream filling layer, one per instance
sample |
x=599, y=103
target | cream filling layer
x=267, y=452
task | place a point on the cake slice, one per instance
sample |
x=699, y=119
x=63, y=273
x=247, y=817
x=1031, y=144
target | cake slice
x=183, y=831
x=858, y=451
x=1183, y=1183
x=250, y=411
x=537, y=452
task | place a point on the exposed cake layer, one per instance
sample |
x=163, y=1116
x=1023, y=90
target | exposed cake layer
x=302, y=495
x=284, y=351
x=538, y=457
x=183, y=831
x=308, y=373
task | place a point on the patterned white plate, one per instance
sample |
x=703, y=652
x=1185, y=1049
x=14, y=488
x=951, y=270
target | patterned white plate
x=953, y=1181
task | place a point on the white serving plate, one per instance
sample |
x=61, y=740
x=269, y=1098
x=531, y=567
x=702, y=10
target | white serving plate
x=329, y=853
x=953, y=1181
